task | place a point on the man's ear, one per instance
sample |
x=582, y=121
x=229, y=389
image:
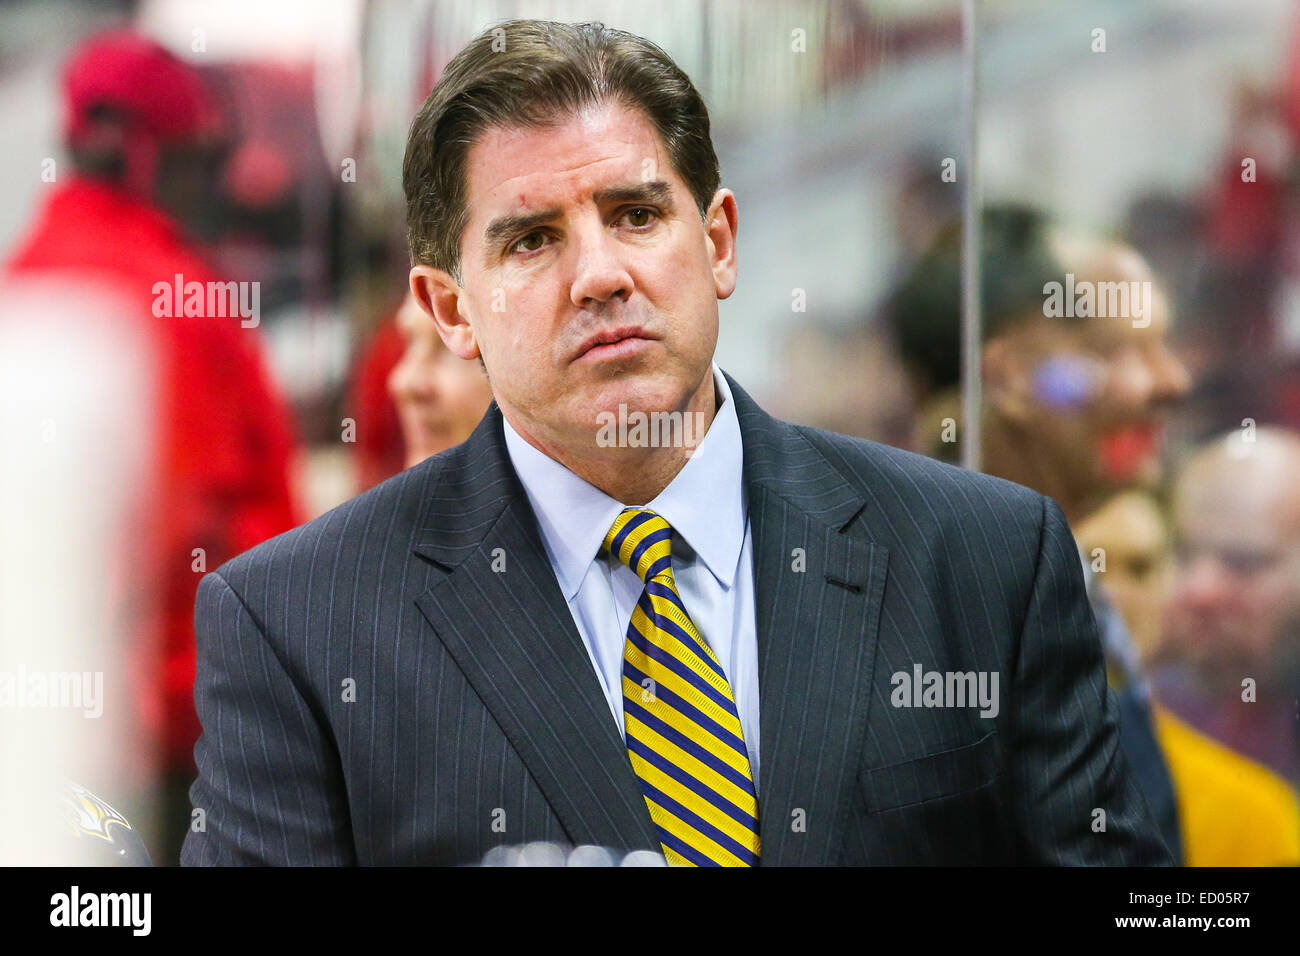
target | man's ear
x=439, y=295
x=720, y=226
x=1007, y=373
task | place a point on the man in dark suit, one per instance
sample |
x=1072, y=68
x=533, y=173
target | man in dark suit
x=721, y=637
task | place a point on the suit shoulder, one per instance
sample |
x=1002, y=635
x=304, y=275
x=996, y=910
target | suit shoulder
x=935, y=500
x=861, y=457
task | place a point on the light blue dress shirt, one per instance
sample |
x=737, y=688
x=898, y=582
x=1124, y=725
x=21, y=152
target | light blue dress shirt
x=712, y=557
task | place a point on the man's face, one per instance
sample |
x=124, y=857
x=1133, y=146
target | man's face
x=439, y=397
x=1130, y=533
x=1236, y=596
x=580, y=230
x=185, y=186
x=1095, y=393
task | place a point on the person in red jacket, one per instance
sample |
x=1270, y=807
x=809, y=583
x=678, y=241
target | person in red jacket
x=144, y=137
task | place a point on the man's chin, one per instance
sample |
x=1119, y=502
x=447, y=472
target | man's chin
x=635, y=391
x=1140, y=475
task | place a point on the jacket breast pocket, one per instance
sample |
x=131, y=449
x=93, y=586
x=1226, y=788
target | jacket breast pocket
x=933, y=776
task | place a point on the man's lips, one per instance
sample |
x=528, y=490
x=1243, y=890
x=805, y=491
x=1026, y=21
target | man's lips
x=614, y=343
x=1125, y=449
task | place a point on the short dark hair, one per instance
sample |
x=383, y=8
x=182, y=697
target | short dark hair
x=534, y=73
x=924, y=310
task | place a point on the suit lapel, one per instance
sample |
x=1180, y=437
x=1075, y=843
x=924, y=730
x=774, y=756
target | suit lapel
x=818, y=595
x=501, y=615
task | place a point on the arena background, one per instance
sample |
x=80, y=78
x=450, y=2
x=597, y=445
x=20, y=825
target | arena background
x=844, y=128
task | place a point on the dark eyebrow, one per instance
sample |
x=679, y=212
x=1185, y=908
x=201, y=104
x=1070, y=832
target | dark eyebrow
x=656, y=191
x=502, y=228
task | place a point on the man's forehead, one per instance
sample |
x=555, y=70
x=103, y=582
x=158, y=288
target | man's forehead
x=1212, y=509
x=510, y=169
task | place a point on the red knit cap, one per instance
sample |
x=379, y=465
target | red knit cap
x=162, y=99
x=162, y=95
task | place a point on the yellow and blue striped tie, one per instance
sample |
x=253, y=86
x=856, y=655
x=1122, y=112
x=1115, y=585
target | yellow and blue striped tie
x=683, y=733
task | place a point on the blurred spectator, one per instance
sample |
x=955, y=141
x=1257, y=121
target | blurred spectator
x=439, y=396
x=435, y=398
x=379, y=448
x=924, y=309
x=1232, y=811
x=1128, y=533
x=144, y=141
x=1074, y=405
x=1234, y=611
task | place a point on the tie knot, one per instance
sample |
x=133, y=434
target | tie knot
x=642, y=540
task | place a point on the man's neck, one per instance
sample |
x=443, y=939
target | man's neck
x=637, y=475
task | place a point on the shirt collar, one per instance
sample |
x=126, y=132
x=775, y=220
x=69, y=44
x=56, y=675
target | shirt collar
x=704, y=503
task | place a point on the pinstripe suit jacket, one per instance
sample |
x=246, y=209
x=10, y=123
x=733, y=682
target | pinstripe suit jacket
x=401, y=682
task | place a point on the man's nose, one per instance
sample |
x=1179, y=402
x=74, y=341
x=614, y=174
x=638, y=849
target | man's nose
x=1202, y=583
x=411, y=379
x=1170, y=379
x=600, y=273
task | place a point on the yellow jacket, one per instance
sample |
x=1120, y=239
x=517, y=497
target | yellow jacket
x=1232, y=811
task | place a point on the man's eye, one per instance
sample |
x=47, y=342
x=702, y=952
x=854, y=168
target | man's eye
x=1140, y=567
x=640, y=210
x=518, y=244
x=1245, y=562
